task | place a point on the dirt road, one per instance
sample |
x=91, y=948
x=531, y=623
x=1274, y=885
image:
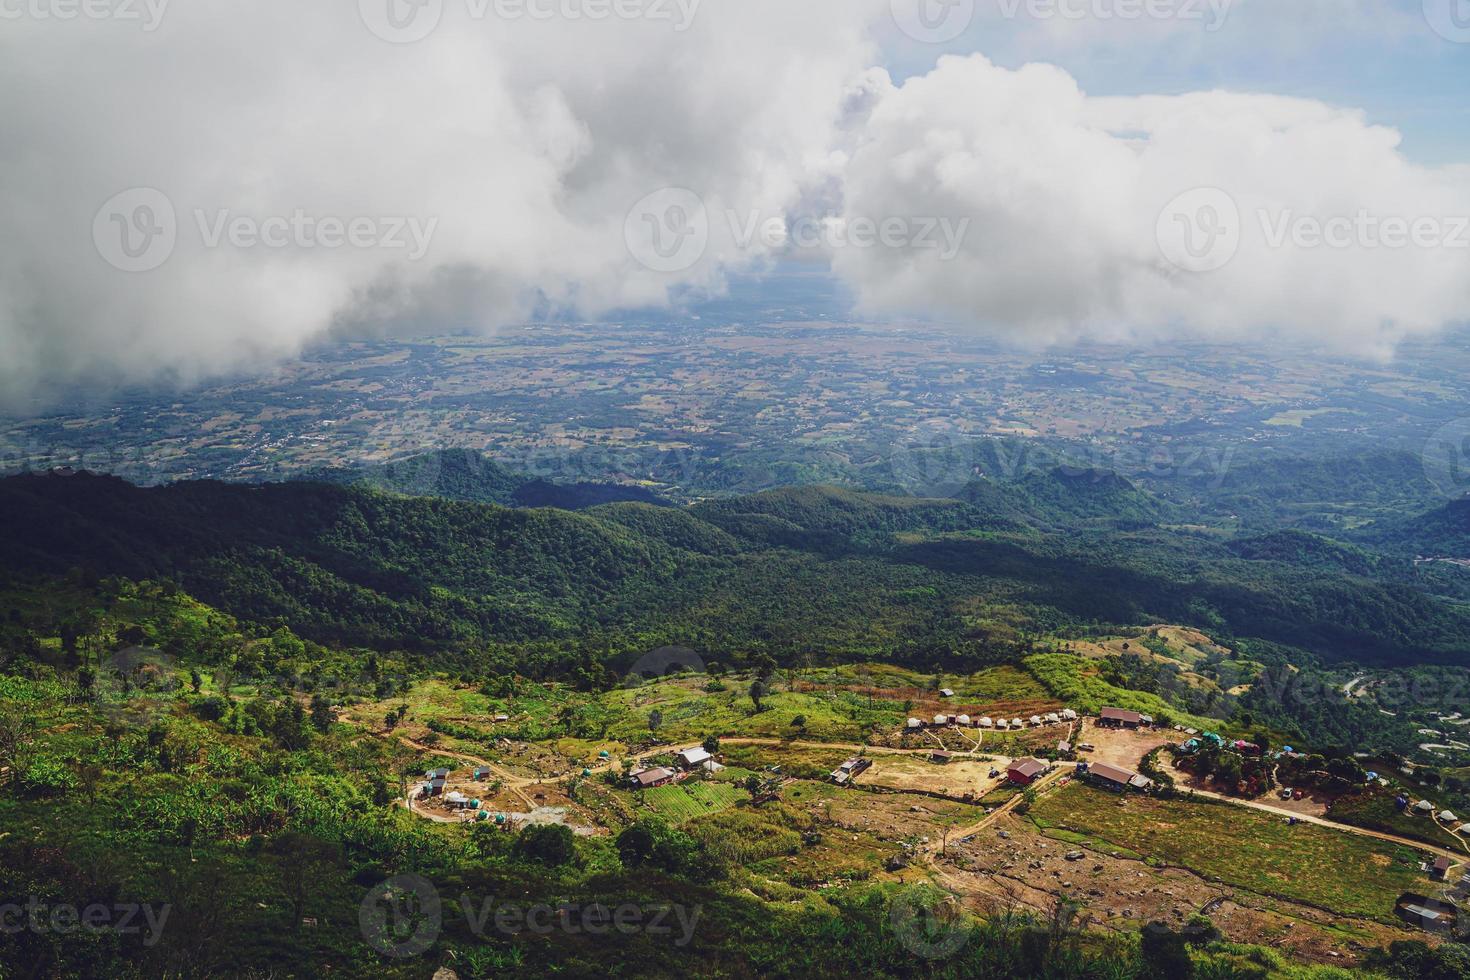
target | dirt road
x=1044, y=783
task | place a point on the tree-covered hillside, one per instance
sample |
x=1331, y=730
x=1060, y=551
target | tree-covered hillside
x=798, y=572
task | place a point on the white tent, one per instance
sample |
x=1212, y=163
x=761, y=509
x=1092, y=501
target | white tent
x=1424, y=806
x=1017, y=723
x=1035, y=719
x=940, y=720
x=1069, y=715
x=1448, y=817
x=1052, y=718
x=963, y=720
x=915, y=723
x=987, y=722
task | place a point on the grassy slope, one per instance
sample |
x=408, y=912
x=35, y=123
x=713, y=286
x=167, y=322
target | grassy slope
x=1308, y=864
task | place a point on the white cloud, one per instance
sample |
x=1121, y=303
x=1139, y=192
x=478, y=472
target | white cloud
x=1064, y=193
x=526, y=143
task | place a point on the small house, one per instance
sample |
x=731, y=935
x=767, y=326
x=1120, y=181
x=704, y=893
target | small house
x=1120, y=718
x=482, y=773
x=941, y=758
x=692, y=758
x=1024, y=772
x=1064, y=747
x=1114, y=777
x=946, y=693
x=850, y=769
x=1429, y=919
x=502, y=717
x=1440, y=869
x=649, y=778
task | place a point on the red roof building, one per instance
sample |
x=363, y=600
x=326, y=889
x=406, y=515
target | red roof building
x=1023, y=772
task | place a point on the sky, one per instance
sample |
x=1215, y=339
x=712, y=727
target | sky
x=203, y=188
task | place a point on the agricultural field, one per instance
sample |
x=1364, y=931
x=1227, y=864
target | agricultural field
x=1014, y=865
x=1240, y=847
x=691, y=799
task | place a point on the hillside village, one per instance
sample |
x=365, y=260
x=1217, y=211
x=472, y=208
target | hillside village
x=1000, y=801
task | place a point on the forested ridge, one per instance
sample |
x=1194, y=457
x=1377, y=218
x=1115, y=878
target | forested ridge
x=813, y=570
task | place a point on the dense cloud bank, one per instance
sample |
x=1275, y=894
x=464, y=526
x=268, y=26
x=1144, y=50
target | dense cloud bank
x=211, y=187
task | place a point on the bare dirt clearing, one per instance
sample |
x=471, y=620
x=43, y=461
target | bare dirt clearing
x=1120, y=746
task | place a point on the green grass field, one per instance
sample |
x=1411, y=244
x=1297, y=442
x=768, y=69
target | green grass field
x=1313, y=865
x=686, y=801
